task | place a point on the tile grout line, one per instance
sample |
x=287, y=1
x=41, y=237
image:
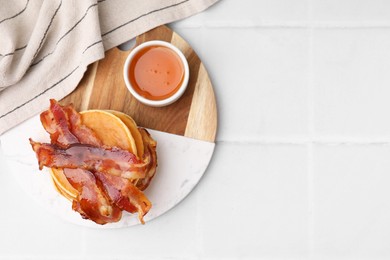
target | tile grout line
x=311, y=131
x=331, y=141
x=292, y=25
x=199, y=230
x=84, y=243
x=310, y=192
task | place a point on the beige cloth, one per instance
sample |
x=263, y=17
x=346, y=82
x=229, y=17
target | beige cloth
x=46, y=45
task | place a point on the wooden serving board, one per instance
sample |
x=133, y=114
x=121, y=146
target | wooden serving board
x=194, y=115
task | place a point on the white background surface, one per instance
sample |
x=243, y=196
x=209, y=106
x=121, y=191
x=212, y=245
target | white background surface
x=301, y=168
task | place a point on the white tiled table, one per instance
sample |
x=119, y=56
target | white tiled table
x=301, y=168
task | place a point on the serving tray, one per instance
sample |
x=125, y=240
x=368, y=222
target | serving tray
x=185, y=133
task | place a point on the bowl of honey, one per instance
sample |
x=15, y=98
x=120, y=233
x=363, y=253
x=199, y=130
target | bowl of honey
x=156, y=73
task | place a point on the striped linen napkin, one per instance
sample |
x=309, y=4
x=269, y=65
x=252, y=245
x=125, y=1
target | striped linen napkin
x=46, y=45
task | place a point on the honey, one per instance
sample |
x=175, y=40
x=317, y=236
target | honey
x=156, y=72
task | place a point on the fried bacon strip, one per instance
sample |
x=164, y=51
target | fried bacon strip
x=91, y=202
x=125, y=195
x=113, y=161
x=63, y=123
x=82, y=132
x=55, y=122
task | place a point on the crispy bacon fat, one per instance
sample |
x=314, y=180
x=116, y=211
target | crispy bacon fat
x=108, y=179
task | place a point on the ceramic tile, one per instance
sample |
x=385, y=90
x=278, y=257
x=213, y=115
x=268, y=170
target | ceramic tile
x=253, y=202
x=251, y=13
x=260, y=80
x=351, y=207
x=351, y=82
x=23, y=223
x=172, y=235
x=351, y=10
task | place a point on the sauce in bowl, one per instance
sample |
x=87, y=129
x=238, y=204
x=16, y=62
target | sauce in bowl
x=156, y=72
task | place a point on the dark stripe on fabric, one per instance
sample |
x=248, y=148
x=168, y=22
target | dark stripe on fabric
x=93, y=44
x=12, y=53
x=143, y=15
x=78, y=22
x=47, y=29
x=24, y=9
x=63, y=36
x=40, y=94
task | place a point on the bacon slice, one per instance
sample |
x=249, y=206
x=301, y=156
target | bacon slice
x=92, y=203
x=55, y=122
x=113, y=161
x=125, y=195
x=63, y=123
x=82, y=132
